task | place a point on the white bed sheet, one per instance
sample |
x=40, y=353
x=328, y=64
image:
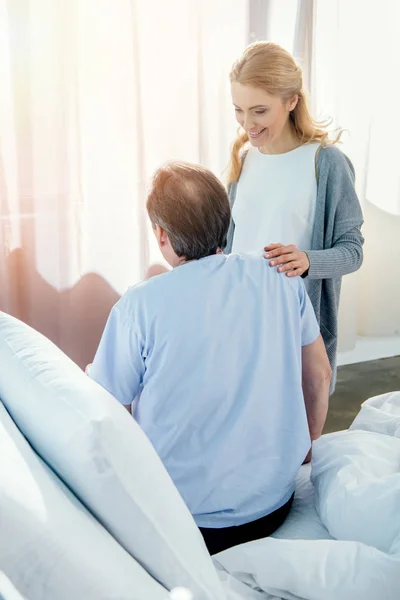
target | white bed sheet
x=354, y=470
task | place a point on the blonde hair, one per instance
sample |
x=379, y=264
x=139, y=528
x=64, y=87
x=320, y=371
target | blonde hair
x=270, y=67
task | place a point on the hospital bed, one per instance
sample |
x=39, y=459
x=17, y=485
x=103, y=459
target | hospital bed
x=87, y=510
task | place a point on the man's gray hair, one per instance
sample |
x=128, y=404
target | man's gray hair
x=191, y=204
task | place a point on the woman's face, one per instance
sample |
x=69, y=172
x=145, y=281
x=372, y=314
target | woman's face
x=264, y=117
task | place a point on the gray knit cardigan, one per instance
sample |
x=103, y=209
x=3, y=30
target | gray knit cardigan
x=337, y=243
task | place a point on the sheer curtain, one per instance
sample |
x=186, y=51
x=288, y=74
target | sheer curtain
x=357, y=84
x=95, y=94
x=350, y=54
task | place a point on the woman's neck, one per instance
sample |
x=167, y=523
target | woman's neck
x=286, y=142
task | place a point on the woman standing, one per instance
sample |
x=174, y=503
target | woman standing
x=292, y=190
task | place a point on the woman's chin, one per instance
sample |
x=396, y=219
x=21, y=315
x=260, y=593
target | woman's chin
x=255, y=143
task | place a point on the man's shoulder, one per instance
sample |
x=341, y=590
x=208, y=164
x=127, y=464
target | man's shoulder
x=242, y=264
x=256, y=267
x=141, y=300
x=254, y=261
x=236, y=265
x=250, y=258
x=153, y=290
x=147, y=287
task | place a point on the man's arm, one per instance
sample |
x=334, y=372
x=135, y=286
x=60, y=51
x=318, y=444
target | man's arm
x=316, y=370
x=118, y=365
x=317, y=373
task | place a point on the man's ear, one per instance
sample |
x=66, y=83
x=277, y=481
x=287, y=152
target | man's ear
x=161, y=235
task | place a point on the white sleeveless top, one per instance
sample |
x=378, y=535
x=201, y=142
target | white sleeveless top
x=275, y=200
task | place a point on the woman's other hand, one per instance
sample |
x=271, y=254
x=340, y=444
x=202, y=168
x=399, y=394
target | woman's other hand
x=288, y=259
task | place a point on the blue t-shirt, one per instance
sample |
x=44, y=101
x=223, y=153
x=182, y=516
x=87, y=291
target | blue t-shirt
x=212, y=350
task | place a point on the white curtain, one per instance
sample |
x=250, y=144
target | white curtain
x=350, y=54
x=95, y=94
x=357, y=83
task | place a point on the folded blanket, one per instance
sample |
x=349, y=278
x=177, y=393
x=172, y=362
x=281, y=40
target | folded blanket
x=356, y=481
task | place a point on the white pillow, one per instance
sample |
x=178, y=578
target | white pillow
x=356, y=477
x=100, y=452
x=51, y=547
x=308, y=564
x=380, y=414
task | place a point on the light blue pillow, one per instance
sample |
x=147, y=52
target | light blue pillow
x=98, y=450
x=7, y=589
x=51, y=547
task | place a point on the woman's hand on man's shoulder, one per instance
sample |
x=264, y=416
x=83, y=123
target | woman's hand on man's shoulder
x=288, y=259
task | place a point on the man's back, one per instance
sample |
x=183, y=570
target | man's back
x=215, y=348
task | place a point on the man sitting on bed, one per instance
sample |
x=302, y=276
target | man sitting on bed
x=227, y=361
